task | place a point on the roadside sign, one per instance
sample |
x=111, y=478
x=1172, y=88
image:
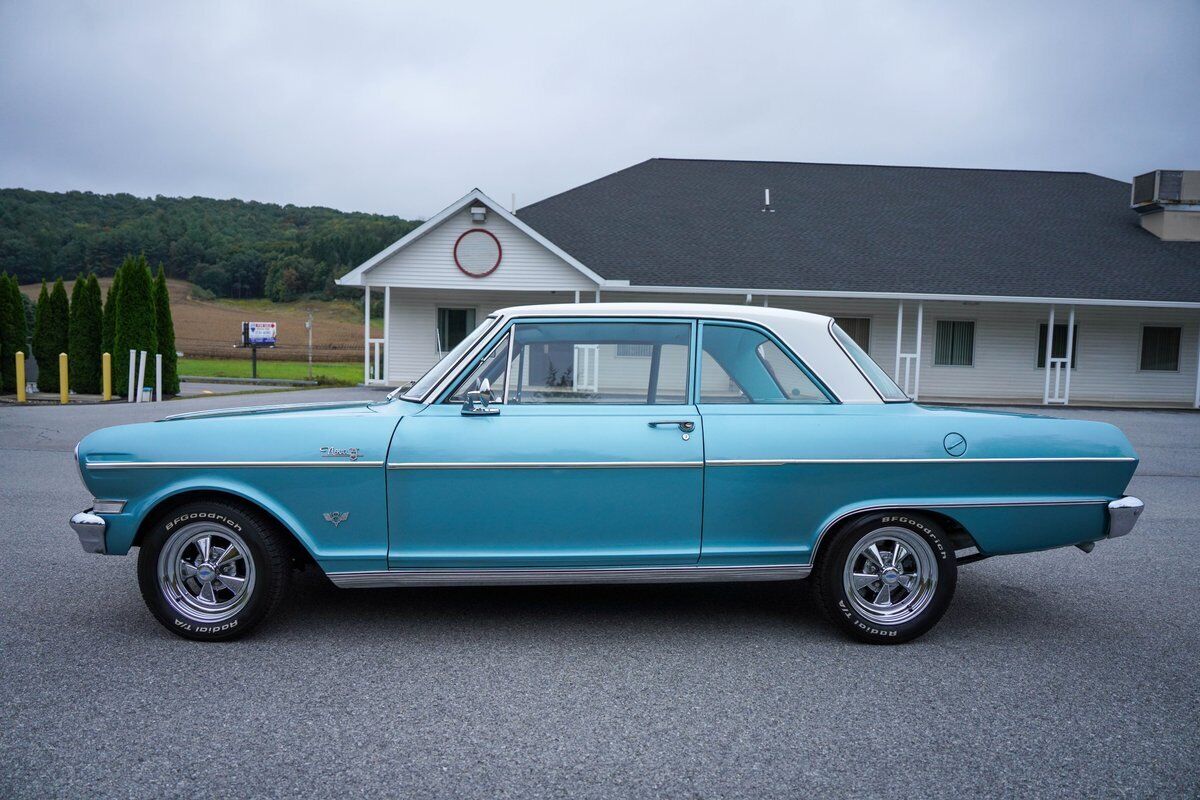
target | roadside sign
x=258, y=333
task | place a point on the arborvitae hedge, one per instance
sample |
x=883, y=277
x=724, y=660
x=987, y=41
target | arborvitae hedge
x=86, y=323
x=41, y=320
x=109, y=330
x=6, y=381
x=165, y=328
x=13, y=335
x=135, y=328
x=53, y=328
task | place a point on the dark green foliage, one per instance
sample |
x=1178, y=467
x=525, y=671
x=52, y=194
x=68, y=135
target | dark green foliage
x=109, y=327
x=52, y=334
x=86, y=323
x=40, y=324
x=6, y=380
x=227, y=246
x=135, y=329
x=165, y=328
x=13, y=336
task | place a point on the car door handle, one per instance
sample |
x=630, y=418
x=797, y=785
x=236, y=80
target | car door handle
x=685, y=425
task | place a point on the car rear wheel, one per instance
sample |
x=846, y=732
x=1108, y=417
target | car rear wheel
x=886, y=578
x=212, y=570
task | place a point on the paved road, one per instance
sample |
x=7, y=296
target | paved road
x=1054, y=674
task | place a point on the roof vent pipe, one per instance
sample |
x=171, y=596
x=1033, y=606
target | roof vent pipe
x=767, y=201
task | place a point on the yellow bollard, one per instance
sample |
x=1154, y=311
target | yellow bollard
x=62, y=378
x=106, y=369
x=20, y=377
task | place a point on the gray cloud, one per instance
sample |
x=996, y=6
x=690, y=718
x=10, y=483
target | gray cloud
x=401, y=108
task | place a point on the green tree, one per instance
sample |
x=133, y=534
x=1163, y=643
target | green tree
x=164, y=326
x=135, y=328
x=5, y=343
x=86, y=323
x=109, y=328
x=13, y=335
x=54, y=325
x=41, y=323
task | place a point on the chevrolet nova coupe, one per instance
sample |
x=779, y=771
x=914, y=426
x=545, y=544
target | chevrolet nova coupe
x=605, y=443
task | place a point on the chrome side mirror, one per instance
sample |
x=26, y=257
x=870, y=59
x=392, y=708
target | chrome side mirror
x=478, y=402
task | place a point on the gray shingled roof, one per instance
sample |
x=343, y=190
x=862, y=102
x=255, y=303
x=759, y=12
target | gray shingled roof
x=839, y=227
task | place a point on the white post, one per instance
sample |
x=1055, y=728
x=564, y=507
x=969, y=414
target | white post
x=899, y=337
x=766, y=303
x=387, y=329
x=597, y=294
x=158, y=377
x=576, y=295
x=1196, y=402
x=366, y=334
x=132, y=372
x=917, y=350
x=1070, y=359
x=1049, y=353
x=141, y=375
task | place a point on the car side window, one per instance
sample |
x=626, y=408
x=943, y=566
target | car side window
x=743, y=365
x=644, y=363
x=492, y=367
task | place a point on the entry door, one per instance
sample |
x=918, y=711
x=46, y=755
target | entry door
x=604, y=471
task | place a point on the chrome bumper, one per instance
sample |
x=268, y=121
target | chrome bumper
x=90, y=529
x=1123, y=515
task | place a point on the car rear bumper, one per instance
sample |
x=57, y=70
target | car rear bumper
x=1123, y=515
x=89, y=528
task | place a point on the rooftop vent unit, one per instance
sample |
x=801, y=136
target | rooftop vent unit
x=478, y=214
x=1166, y=187
x=1168, y=203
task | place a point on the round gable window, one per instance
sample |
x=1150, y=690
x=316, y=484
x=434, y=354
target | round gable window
x=477, y=252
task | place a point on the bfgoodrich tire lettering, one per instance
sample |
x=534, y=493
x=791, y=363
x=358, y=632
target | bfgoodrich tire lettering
x=886, y=578
x=212, y=570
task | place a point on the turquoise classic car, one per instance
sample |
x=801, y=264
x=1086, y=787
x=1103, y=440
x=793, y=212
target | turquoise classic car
x=605, y=443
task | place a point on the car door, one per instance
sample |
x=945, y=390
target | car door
x=762, y=410
x=590, y=454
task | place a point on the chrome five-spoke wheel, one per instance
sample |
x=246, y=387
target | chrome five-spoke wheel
x=206, y=572
x=891, y=575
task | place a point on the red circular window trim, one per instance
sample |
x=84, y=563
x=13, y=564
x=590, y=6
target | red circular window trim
x=467, y=272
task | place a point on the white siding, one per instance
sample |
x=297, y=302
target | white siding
x=1006, y=340
x=428, y=262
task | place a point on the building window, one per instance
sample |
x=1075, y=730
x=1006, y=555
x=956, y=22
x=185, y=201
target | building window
x=1160, y=349
x=954, y=345
x=858, y=328
x=453, y=325
x=1060, y=345
x=635, y=350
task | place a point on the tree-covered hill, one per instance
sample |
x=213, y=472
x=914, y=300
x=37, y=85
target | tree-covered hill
x=232, y=248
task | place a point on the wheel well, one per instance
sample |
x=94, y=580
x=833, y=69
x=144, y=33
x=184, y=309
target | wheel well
x=300, y=556
x=960, y=537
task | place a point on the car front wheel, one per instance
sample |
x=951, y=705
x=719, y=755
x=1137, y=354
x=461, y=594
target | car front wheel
x=886, y=578
x=212, y=570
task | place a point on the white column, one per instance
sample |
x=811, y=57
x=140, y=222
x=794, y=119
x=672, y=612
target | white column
x=1070, y=357
x=766, y=301
x=158, y=377
x=1196, y=402
x=597, y=294
x=366, y=334
x=1049, y=352
x=132, y=373
x=387, y=331
x=576, y=295
x=899, y=338
x=917, y=350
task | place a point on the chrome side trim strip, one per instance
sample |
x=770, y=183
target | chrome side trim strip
x=542, y=464
x=223, y=464
x=778, y=462
x=922, y=506
x=566, y=576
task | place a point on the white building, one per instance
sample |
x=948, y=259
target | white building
x=954, y=280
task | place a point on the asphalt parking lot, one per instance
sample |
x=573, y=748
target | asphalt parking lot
x=1054, y=674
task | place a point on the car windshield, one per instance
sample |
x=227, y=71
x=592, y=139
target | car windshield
x=874, y=373
x=435, y=373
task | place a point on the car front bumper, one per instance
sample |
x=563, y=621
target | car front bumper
x=1123, y=515
x=89, y=527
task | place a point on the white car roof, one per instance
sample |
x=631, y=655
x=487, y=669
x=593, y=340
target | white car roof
x=806, y=334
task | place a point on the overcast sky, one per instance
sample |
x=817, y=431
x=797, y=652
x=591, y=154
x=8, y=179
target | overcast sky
x=403, y=107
